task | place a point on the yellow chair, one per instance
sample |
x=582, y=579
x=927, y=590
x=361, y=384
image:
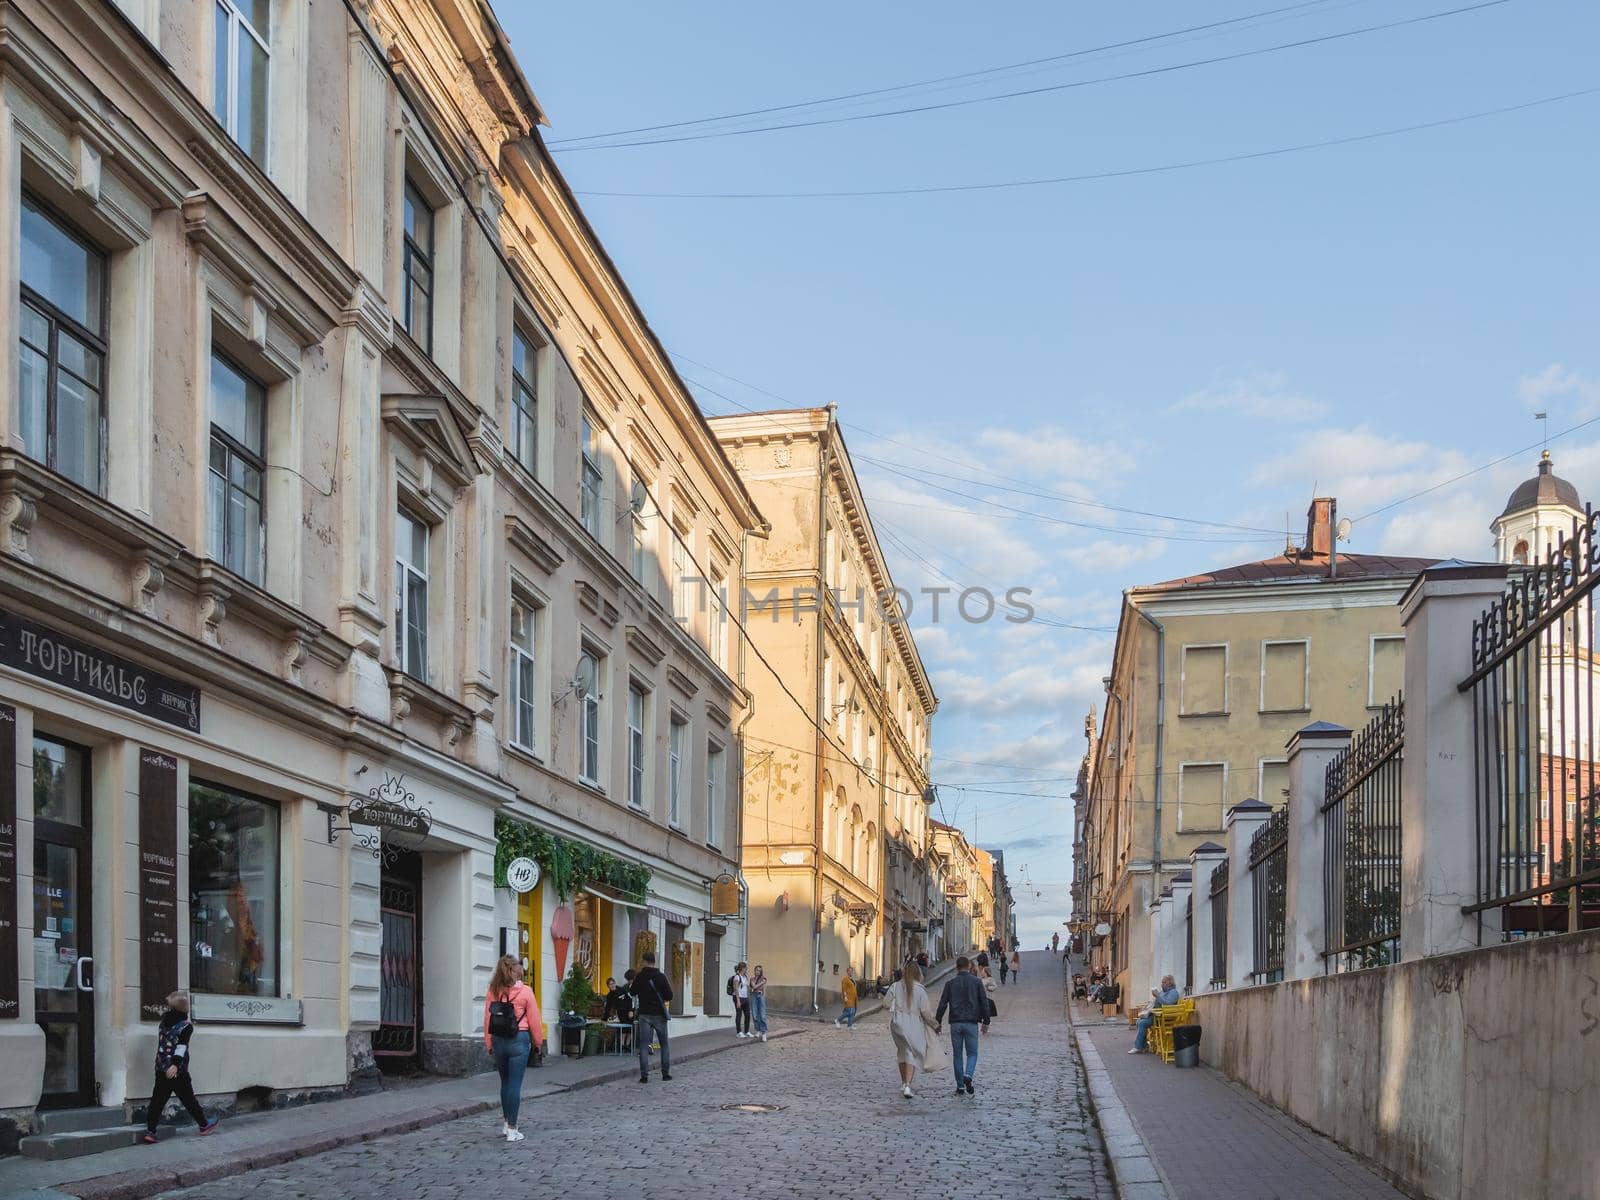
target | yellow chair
x=1167, y=1019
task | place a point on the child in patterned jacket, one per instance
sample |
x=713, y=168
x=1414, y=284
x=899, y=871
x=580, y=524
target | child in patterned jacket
x=172, y=1068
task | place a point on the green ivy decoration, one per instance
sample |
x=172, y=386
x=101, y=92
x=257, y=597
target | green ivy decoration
x=568, y=865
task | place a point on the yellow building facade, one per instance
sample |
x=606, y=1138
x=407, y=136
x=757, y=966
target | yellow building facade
x=837, y=749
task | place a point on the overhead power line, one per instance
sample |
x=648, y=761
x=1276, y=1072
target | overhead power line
x=938, y=79
x=1123, y=173
x=1044, y=89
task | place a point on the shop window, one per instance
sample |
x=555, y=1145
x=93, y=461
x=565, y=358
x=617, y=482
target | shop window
x=417, y=266
x=638, y=713
x=589, y=719
x=233, y=892
x=236, y=527
x=62, y=348
x=590, y=479
x=714, y=785
x=243, y=49
x=525, y=400
x=411, y=595
x=676, y=749
x=524, y=650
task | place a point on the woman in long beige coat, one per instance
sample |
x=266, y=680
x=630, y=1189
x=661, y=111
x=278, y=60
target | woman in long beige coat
x=911, y=1024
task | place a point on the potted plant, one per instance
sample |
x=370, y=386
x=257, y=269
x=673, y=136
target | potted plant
x=576, y=997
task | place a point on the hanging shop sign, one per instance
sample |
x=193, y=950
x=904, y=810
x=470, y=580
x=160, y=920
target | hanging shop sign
x=387, y=820
x=522, y=875
x=392, y=818
x=725, y=896
x=158, y=881
x=48, y=654
x=9, y=995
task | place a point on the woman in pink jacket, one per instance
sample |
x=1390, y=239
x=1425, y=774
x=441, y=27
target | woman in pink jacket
x=511, y=1029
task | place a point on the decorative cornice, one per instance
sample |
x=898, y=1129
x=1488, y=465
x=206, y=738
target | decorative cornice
x=642, y=644
x=528, y=541
x=595, y=604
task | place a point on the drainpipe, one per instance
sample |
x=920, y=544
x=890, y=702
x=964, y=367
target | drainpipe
x=1161, y=736
x=823, y=718
x=749, y=712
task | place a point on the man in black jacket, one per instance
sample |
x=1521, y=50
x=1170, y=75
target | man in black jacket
x=967, y=1001
x=653, y=992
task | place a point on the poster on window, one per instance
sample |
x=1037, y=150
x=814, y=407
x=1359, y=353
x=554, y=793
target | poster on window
x=158, y=881
x=9, y=995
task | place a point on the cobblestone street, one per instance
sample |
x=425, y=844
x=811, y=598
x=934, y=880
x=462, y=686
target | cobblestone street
x=843, y=1127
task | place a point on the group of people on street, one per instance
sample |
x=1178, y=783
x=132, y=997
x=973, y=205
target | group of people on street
x=749, y=992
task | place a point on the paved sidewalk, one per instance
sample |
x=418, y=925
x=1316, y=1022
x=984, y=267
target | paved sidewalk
x=270, y=1138
x=1210, y=1137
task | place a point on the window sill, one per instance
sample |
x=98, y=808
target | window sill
x=591, y=785
x=1278, y=712
x=214, y=1008
x=1220, y=712
x=523, y=752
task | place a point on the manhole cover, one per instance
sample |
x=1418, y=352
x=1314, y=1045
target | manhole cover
x=752, y=1108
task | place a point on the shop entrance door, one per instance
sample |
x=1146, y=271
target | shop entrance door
x=714, y=982
x=63, y=966
x=398, y=1039
x=676, y=961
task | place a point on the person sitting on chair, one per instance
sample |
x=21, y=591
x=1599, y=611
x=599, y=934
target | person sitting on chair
x=1162, y=996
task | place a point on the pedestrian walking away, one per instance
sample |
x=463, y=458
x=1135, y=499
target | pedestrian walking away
x=1016, y=968
x=847, y=997
x=1055, y=943
x=967, y=1003
x=1162, y=996
x=739, y=989
x=172, y=1069
x=1004, y=967
x=758, y=1001
x=911, y=1025
x=512, y=1027
x=653, y=993
x=980, y=970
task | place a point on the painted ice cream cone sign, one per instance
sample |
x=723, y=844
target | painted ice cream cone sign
x=561, y=936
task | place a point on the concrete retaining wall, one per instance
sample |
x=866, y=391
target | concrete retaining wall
x=1472, y=1076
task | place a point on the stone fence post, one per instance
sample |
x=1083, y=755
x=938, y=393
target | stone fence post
x=1203, y=859
x=1182, y=886
x=1438, y=847
x=1243, y=820
x=1310, y=752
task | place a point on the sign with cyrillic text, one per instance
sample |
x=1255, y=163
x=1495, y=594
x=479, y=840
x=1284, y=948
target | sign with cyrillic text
x=158, y=881
x=10, y=997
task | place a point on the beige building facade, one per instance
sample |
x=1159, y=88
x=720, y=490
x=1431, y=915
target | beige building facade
x=837, y=758
x=1210, y=677
x=351, y=528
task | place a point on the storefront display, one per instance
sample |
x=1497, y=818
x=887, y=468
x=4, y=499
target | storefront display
x=233, y=892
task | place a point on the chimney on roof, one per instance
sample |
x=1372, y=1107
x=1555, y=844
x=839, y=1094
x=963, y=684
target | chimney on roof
x=1319, y=527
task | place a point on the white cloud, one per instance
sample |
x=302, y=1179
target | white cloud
x=1264, y=395
x=1053, y=453
x=1558, y=383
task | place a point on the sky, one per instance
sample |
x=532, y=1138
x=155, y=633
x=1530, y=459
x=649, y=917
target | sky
x=1216, y=343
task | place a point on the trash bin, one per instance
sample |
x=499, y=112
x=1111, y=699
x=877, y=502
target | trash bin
x=1186, y=1046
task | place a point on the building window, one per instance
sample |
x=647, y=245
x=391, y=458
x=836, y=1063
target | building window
x=713, y=791
x=681, y=578
x=243, y=44
x=675, y=751
x=590, y=479
x=1203, y=681
x=62, y=348
x=417, y=268
x=639, y=558
x=524, y=400
x=1386, y=669
x=411, y=594
x=1285, y=676
x=233, y=892
x=1202, y=789
x=719, y=621
x=524, y=640
x=637, y=702
x=1272, y=782
x=235, y=521
x=589, y=719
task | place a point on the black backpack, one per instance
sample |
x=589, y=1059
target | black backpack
x=502, y=1019
x=731, y=978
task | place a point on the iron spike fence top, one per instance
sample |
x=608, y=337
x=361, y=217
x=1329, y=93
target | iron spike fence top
x=1535, y=597
x=1271, y=837
x=1219, y=878
x=1368, y=750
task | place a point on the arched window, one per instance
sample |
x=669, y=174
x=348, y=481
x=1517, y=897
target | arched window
x=1520, y=554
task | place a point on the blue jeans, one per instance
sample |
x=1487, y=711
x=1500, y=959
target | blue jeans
x=758, y=1012
x=964, y=1050
x=848, y=1016
x=1142, y=1036
x=511, y=1060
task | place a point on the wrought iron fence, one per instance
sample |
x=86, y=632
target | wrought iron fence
x=1269, y=893
x=1219, y=925
x=1535, y=728
x=1361, y=845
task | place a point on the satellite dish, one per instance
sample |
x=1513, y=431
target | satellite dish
x=638, y=496
x=586, y=676
x=1344, y=529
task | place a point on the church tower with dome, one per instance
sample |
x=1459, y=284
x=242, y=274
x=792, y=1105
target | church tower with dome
x=1537, y=518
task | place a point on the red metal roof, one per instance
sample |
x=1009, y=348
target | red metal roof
x=1301, y=568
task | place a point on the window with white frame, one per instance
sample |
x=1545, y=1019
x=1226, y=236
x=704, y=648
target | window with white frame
x=524, y=399
x=235, y=498
x=714, y=783
x=1202, y=796
x=243, y=49
x=1203, y=681
x=1386, y=668
x=639, y=548
x=524, y=659
x=589, y=714
x=638, y=713
x=62, y=348
x=677, y=748
x=719, y=620
x=590, y=479
x=416, y=268
x=1285, y=676
x=1272, y=781
x=682, y=601
x=411, y=538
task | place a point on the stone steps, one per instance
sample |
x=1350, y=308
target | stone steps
x=74, y=1132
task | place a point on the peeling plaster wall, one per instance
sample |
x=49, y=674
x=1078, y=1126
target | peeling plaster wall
x=1465, y=1077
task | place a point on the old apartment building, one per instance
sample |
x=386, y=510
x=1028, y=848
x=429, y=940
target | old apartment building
x=836, y=781
x=346, y=503
x=1210, y=676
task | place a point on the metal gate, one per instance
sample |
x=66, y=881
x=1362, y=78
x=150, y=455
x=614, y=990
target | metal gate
x=1361, y=846
x=1269, y=892
x=400, y=962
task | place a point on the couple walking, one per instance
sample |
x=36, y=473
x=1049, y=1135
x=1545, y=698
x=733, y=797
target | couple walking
x=911, y=1023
